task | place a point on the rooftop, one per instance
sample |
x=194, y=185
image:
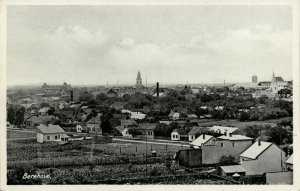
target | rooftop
x=223, y=129
x=235, y=137
x=49, y=129
x=201, y=140
x=255, y=150
x=233, y=169
x=290, y=160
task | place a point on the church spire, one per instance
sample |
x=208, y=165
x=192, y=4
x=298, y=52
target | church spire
x=273, y=77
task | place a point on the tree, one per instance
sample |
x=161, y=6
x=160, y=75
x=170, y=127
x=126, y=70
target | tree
x=277, y=134
x=244, y=116
x=101, y=98
x=227, y=160
x=253, y=131
x=45, y=104
x=85, y=96
x=10, y=115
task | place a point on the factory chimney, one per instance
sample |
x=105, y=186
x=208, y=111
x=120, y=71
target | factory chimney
x=157, y=89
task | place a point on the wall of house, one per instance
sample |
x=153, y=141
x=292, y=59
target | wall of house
x=175, y=136
x=190, y=158
x=271, y=160
x=212, y=154
x=126, y=134
x=285, y=177
x=52, y=137
x=39, y=137
x=192, y=137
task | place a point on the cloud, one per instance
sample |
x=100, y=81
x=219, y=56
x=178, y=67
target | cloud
x=75, y=53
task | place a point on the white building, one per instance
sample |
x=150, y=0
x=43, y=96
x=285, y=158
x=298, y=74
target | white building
x=51, y=133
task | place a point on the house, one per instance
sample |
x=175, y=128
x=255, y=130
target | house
x=174, y=115
x=148, y=130
x=192, y=116
x=289, y=163
x=79, y=128
x=203, y=140
x=112, y=94
x=179, y=135
x=137, y=115
x=192, y=134
x=262, y=157
x=181, y=110
x=43, y=111
x=50, y=133
x=36, y=120
x=93, y=125
x=119, y=105
x=225, y=146
x=124, y=131
x=232, y=170
x=128, y=123
x=222, y=129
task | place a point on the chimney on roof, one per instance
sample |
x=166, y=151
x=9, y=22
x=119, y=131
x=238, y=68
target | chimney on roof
x=259, y=142
x=225, y=133
x=71, y=95
x=203, y=136
x=230, y=134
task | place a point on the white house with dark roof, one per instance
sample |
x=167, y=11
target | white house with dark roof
x=263, y=157
x=50, y=133
x=179, y=135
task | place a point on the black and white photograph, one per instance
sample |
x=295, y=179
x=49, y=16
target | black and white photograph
x=150, y=94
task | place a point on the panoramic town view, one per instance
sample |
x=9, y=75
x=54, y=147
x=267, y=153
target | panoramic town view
x=107, y=96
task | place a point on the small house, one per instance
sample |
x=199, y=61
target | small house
x=148, y=130
x=289, y=163
x=232, y=170
x=50, y=133
x=179, y=135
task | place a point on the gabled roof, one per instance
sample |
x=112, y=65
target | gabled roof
x=201, y=140
x=148, y=126
x=255, y=150
x=118, y=105
x=223, y=129
x=180, y=131
x=235, y=137
x=40, y=118
x=233, y=169
x=94, y=120
x=195, y=130
x=49, y=129
x=128, y=122
x=290, y=160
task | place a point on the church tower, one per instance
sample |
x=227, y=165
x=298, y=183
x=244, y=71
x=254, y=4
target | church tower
x=273, y=77
x=139, y=80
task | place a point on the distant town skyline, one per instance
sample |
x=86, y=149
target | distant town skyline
x=96, y=45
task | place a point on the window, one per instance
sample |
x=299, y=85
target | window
x=232, y=144
x=58, y=137
x=48, y=137
x=222, y=144
x=55, y=136
x=192, y=137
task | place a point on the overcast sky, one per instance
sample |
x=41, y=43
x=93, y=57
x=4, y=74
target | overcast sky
x=170, y=44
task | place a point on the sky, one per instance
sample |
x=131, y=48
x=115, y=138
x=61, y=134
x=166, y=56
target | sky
x=90, y=45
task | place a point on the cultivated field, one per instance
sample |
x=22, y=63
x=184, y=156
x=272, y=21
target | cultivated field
x=84, y=162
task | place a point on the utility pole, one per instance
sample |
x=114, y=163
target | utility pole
x=146, y=155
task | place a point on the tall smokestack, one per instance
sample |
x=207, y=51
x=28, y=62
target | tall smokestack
x=157, y=89
x=71, y=95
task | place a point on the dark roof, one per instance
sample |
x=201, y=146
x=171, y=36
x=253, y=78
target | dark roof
x=148, y=126
x=49, y=129
x=40, y=119
x=94, y=120
x=119, y=105
x=195, y=130
x=279, y=79
x=128, y=122
x=180, y=131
